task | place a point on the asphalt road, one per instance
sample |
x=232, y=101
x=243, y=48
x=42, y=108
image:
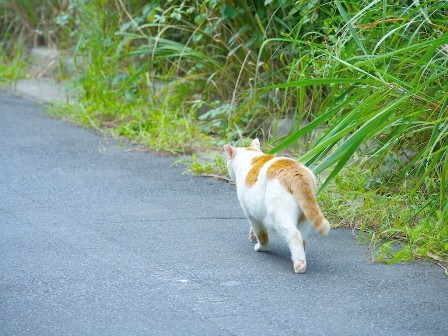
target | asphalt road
x=97, y=239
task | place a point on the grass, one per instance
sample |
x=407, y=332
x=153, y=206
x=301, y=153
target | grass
x=12, y=66
x=403, y=109
x=382, y=220
x=362, y=85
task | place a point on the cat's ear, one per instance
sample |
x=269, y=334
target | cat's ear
x=256, y=144
x=231, y=151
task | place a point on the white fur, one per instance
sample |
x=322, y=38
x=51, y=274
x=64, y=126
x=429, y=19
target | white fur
x=268, y=205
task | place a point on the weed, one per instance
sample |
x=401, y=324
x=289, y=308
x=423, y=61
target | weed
x=12, y=66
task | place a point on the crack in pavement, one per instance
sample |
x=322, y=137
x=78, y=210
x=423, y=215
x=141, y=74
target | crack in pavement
x=175, y=219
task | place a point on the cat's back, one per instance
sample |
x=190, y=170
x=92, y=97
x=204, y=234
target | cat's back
x=263, y=170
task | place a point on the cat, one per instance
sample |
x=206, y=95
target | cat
x=276, y=193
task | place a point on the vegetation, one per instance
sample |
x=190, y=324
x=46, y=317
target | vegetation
x=357, y=90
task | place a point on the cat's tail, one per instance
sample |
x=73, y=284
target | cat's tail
x=302, y=187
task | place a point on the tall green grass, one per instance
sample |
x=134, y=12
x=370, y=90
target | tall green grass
x=12, y=65
x=385, y=106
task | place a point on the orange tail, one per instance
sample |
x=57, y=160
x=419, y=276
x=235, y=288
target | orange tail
x=304, y=191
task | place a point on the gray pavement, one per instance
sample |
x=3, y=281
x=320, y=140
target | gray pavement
x=43, y=82
x=97, y=239
x=42, y=89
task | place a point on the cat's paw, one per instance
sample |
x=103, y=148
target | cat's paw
x=261, y=248
x=300, y=266
x=324, y=227
x=253, y=240
x=252, y=236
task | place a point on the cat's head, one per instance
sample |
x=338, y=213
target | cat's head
x=234, y=152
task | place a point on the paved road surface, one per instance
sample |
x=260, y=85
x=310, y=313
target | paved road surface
x=99, y=240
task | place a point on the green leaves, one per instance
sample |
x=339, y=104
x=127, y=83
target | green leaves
x=348, y=22
x=384, y=90
x=318, y=81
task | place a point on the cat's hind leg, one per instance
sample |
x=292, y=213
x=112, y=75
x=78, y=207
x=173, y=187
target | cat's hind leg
x=304, y=226
x=287, y=228
x=297, y=247
x=252, y=236
x=261, y=235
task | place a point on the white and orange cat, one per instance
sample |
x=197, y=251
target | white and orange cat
x=276, y=193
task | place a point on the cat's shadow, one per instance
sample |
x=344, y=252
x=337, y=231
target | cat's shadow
x=279, y=256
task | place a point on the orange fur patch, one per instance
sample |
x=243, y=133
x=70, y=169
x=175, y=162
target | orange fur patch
x=263, y=238
x=288, y=171
x=252, y=149
x=282, y=167
x=257, y=163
